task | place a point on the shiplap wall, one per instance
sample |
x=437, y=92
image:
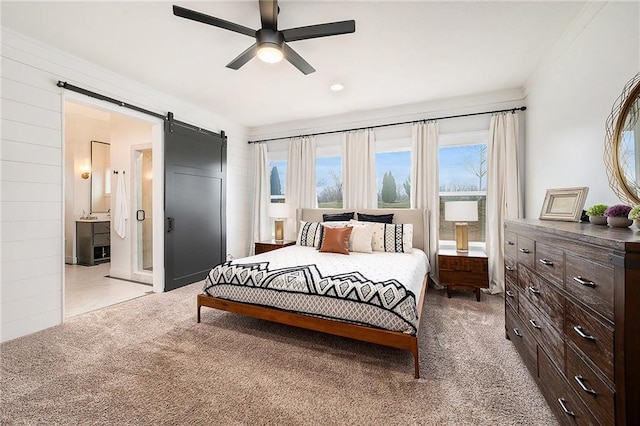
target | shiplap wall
x=31, y=174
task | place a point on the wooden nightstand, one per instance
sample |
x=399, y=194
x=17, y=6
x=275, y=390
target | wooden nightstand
x=264, y=246
x=464, y=271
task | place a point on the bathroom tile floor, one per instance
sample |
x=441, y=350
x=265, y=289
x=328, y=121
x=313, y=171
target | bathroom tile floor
x=87, y=288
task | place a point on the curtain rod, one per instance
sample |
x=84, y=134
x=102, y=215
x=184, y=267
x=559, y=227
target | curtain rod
x=512, y=110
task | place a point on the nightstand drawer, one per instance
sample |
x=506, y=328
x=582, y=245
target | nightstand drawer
x=265, y=246
x=463, y=264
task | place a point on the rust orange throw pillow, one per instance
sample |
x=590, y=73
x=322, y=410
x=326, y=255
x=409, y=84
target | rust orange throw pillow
x=336, y=240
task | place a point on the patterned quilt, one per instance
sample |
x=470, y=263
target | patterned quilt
x=338, y=287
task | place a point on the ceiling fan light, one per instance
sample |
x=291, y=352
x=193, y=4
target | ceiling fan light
x=270, y=53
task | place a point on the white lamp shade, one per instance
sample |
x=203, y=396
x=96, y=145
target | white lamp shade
x=461, y=211
x=279, y=210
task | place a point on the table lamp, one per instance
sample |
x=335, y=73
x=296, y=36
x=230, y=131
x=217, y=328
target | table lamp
x=461, y=212
x=279, y=211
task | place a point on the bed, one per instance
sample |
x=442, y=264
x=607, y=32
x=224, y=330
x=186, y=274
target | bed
x=374, y=297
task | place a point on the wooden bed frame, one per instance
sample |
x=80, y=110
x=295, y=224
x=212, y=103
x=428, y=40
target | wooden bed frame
x=393, y=339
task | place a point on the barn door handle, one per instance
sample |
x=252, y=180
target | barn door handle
x=140, y=215
x=169, y=224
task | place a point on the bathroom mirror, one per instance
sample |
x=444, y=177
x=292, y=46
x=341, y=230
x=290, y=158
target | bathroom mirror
x=622, y=147
x=100, y=177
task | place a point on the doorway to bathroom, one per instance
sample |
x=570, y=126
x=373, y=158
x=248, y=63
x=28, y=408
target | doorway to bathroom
x=125, y=186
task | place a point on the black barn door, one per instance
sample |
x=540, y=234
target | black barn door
x=195, y=203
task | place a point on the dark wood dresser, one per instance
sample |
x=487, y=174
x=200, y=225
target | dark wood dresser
x=572, y=310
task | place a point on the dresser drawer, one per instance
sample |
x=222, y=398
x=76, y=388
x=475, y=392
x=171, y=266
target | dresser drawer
x=522, y=339
x=511, y=294
x=550, y=263
x=591, y=283
x=510, y=247
x=525, y=251
x=511, y=269
x=569, y=409
x=595, y=394
x=543, y=295
x=539, y=326
x=592, y=337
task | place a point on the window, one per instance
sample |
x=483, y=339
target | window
x=393, y=173
x=463, y=177
x=278, y=153
x=329, y=182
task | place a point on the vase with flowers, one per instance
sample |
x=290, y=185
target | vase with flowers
x=596, y=214
x=634, y=215
x=618, y=216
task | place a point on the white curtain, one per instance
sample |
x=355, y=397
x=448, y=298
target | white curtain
x=503, y=191
x=300, y=190
x=424, y=181
x=359, y=170
x=261, y=195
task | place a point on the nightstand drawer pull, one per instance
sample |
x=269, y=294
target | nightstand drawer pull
x=517, y=332
x=510, y=293
x=510, y=243
x=578, y=329
x=524, y=250
x=584, y=387
x=563, y=403
x=534, y=324
x=533, y=290
x=546, y=262
x=584, y=282
x=509, y=268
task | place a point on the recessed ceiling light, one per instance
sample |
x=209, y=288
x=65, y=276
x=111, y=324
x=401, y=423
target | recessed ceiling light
x=337, y=87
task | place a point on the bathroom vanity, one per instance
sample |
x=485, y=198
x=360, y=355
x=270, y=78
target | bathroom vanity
x=93, y=241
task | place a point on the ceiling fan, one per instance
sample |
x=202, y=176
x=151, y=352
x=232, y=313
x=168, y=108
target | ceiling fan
x=271, y=44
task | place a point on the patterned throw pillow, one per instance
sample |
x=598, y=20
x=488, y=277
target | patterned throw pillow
x=392, y=238
x=310, y=234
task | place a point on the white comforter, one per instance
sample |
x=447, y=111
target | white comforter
x=375, y=289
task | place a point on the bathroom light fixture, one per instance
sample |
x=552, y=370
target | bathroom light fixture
x=337, y=87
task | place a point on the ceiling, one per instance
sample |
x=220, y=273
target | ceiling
x=401, y=53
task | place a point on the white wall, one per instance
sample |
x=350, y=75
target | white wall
x=32, y=252
x=569, y=99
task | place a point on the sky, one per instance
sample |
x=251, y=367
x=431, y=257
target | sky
x=451, y=164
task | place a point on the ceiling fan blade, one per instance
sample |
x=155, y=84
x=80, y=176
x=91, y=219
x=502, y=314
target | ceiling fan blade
x=320, y=30
x=243, y=58
x=269, y=14
x=210, y=20
x=297, y=61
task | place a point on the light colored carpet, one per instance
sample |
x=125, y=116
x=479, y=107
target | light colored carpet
x=147, y=361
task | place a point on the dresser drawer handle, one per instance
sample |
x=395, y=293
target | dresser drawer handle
x=510, y=293
x=533, y=290
x=510, y=243
x=509, y=268
x=578, y=329
x=535, y=324
x=584, y=387
x=546, y=262
x=517, y=332
x=584, y=282
x=524, y=250
x=563, y=403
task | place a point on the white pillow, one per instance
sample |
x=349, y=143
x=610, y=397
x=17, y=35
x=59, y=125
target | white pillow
x=360, y=239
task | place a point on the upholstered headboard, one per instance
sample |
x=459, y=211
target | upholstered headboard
x=418, y=217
